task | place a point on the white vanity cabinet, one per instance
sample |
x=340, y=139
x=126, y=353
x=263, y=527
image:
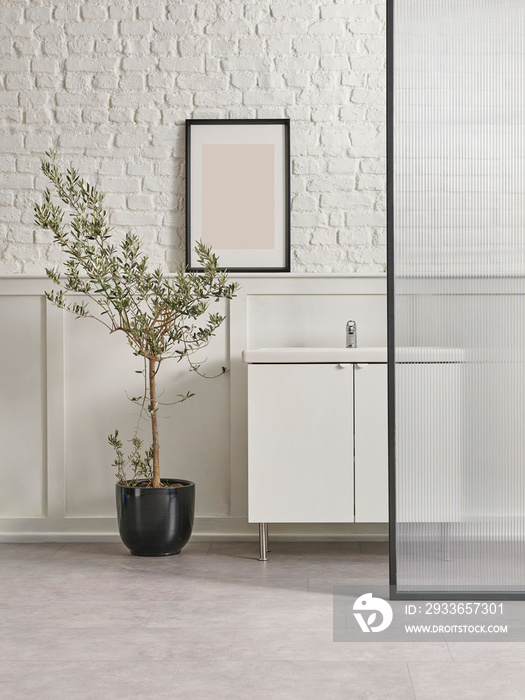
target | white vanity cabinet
x=317, y=437
x=300, y=443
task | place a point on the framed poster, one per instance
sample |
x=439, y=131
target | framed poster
x=238, y=192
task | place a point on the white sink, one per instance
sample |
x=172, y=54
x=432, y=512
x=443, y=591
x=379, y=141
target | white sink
x=284, y=355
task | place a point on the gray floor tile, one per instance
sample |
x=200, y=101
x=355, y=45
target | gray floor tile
x=319, y=550
x=468, y=681
x=84, y=551
x=315, y=644
x=86, y=616
x=105, y=644
x=375, y=573
x=103, y=680
x=231, y=680
x=294, y=680
x=248, y=612
x=28, y=551
x=380, y=548
x=64, y=612
x=506, y=652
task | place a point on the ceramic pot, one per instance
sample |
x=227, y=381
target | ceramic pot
x=156, y=522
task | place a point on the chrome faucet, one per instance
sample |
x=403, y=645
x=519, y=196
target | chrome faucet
x=351, y=334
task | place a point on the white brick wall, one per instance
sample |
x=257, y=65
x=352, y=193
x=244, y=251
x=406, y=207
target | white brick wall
x=109, y=86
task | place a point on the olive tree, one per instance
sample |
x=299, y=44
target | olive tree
x=163, y=317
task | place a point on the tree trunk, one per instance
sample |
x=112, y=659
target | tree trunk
x=154, y=425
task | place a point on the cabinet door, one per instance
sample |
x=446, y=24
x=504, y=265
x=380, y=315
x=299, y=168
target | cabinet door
x=371, y=443
x=300, y=443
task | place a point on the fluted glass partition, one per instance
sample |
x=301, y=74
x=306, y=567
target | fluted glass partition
x=457, y=297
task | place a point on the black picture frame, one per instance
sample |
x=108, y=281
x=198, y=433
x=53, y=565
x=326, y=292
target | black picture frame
x=283, y=245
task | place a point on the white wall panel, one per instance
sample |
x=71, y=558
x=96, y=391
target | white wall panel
x=277, y=320
x=195, y=434
x=100, y=374
x=70, y=379
x=23, y=488
x=99, y=369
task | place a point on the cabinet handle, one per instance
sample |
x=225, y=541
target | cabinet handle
x=340, y=365
x=360, y=365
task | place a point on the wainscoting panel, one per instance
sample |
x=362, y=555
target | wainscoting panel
x=64, y=384
x=23, y=479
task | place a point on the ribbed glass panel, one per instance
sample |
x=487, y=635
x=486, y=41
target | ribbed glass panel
x=459, y=287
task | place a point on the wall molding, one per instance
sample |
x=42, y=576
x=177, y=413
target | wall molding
x=55, y=525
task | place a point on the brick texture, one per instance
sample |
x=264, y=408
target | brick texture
x=110, y=87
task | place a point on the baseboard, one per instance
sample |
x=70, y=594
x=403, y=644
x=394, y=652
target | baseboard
x=225, y=529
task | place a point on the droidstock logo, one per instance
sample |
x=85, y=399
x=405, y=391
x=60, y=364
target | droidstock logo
x=367, y=603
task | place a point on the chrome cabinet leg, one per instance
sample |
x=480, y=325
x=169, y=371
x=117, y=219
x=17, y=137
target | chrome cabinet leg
x=263, y=542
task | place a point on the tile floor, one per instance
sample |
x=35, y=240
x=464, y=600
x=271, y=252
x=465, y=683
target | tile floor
x=89, y=621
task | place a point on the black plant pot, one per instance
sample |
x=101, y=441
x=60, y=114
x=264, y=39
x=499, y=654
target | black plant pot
x=156, y=522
